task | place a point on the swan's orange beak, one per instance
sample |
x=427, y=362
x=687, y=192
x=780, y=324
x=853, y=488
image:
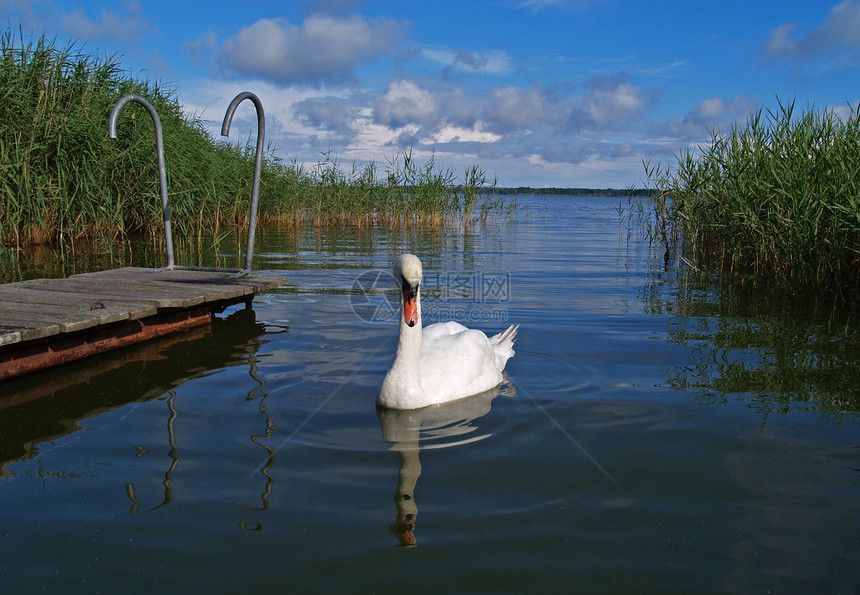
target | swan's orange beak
x=403, y=531
x=410, y=307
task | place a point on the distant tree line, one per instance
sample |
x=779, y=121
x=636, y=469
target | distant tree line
x=638, y=192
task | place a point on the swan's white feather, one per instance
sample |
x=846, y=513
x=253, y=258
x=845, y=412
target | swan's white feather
x=442, y=362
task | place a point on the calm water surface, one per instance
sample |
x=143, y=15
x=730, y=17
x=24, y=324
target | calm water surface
x=649, y=437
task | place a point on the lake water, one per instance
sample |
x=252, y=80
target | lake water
x=652, y=435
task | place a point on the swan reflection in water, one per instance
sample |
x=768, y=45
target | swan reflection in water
x=437, y=426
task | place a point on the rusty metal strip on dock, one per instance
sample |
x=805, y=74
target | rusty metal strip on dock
x=70, y=347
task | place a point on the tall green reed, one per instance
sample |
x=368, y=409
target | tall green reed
x=61, y=180
x=777, y=199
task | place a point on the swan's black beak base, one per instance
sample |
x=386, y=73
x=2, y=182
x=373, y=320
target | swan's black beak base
x=410, y=303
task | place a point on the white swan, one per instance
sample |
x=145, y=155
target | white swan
x=442, y=362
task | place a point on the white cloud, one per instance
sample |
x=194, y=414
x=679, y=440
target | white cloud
x=608, y=105
x=323, y=49
x=404, y=103
x=110, y=26
x=536, y=5
x=707, y=116
x=844, y=111
x=515, y=108
x=469, y=61
x=335, y=114
x=459, y=134
x=779, y=43
x=601, y=129
x=208, y=99
x=838, y=32
x=842, y=25
x=362, y=126
x=610, y=102
x=458, y=109
x=669, y=69
x=199, y=49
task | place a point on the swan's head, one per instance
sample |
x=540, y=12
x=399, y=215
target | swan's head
x=407, y=275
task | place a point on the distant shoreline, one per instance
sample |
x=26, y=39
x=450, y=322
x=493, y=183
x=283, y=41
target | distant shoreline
x=638, y=192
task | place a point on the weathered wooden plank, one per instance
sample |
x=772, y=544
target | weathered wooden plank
x=78, y=309
x=30, y=330
x=183, y=277
x=71, y=318
x=36, y=314
x=9, y=294
x=117, y=289
x=169, y=289
x=9, y=335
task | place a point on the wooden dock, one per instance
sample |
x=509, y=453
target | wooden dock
x=46, y=322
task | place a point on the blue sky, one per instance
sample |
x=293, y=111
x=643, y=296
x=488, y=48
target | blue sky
x=535, y=92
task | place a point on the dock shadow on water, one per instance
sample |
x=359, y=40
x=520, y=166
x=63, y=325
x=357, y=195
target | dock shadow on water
x=51, y=404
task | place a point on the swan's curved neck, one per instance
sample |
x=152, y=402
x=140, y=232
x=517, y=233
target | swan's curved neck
x=402, y=387
x=409, y=346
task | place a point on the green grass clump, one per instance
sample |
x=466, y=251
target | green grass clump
x=409, y=194
x=62, y=179
x=778, y=199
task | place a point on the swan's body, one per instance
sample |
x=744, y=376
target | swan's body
x=443, y=362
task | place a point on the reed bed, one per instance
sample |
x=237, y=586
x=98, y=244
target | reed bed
x=62, y=180
x=775, y=200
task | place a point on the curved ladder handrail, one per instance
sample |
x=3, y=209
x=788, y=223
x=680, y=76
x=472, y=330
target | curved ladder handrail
x=258, y=162
x=162, y=171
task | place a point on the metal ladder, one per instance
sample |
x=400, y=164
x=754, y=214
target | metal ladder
x=162, y=174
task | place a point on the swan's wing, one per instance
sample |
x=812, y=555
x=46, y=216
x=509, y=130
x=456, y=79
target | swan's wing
x=435, y=332
x=457, y=360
